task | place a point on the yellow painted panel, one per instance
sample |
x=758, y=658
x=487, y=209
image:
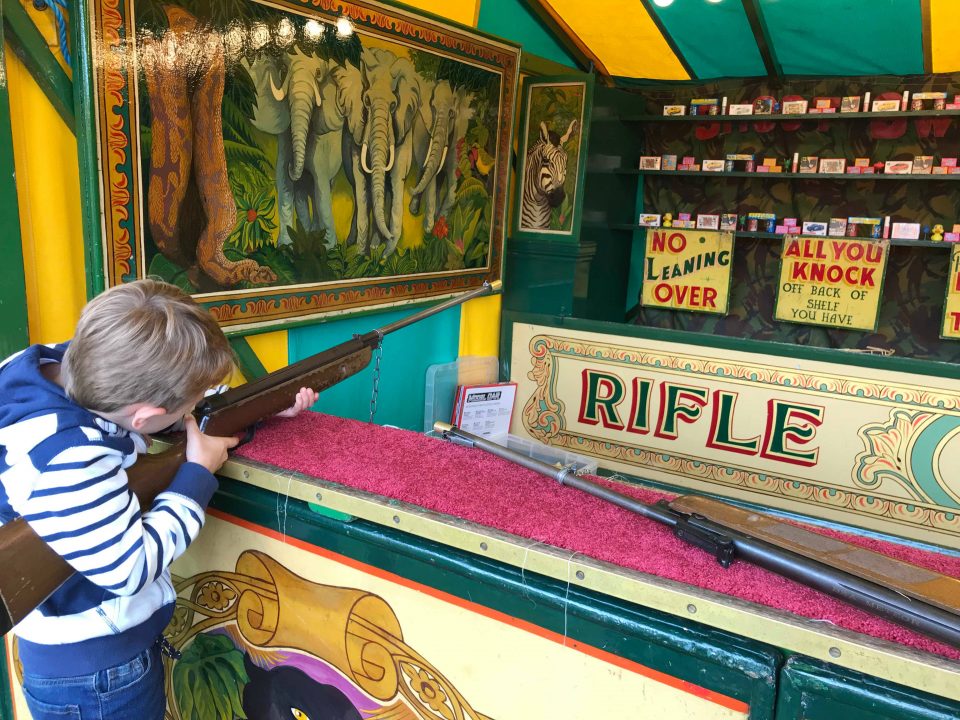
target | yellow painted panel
x=622, y=36
x=944, y=19
x=271, y=348
x=461, y=11
x=48, y=190
x=480, y=326
x=236, y=378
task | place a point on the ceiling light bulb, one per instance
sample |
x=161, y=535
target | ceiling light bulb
x=714, y=1
x=663, y=3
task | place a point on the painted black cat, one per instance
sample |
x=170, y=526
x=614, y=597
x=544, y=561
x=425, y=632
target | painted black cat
x=286, y=693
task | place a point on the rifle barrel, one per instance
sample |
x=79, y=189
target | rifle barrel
x=488, y=288
x=358, y=348
x=914, y=614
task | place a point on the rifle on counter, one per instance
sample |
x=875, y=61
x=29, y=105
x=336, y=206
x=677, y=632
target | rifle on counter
x=30, y=571
x=911, y=596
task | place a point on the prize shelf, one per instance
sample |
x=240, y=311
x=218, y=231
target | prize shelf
x=779, y=236
x=788, y=175
x=786, y=118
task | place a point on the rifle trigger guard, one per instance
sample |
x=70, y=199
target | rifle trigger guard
x=248, y=435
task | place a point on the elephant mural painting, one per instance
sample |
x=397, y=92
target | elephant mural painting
x=443, y=123
x=340, y=153
x=378, y=160
x=306, y=113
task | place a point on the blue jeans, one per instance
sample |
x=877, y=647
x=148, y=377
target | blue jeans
x=133, y=689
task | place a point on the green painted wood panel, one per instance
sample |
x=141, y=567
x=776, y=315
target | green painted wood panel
x=6, y=701
x=247, y=360
x=818, y=354
x=14, y=334
x=32, y=49
x=812, y=690
x=86, y=132
x=407, y=354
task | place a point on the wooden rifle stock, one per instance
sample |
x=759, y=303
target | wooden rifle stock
x=917, y=582
x=919, y=599
x=30, y=571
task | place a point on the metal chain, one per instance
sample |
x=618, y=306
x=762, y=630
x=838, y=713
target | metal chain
x=376, y=380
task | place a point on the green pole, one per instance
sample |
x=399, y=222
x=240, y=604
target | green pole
x=83, y=104
x=14, y=333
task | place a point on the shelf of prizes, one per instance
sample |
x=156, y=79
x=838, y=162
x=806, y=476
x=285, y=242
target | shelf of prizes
x=412, y=577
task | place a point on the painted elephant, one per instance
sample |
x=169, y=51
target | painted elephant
x=378, y=159
x=442, y=124
x=304, y=111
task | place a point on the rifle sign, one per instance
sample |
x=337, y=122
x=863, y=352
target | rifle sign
x=687, y=270
x=835, y=282
x=951, y=308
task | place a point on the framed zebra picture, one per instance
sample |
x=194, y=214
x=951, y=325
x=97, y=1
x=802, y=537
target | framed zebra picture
x=552, y=150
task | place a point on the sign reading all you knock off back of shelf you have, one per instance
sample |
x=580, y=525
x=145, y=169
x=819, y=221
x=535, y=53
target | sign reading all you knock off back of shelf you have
x=835, y=282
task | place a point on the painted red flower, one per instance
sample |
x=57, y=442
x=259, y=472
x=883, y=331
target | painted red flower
x=440, y=228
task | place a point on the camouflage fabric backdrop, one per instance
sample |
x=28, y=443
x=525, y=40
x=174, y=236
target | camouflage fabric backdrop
x=913, y=293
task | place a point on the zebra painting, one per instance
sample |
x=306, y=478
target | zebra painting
x=545, y=171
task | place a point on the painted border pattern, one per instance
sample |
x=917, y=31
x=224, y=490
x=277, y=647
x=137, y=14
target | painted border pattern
x=110, y=29
x=292, y=305
x=543, y=418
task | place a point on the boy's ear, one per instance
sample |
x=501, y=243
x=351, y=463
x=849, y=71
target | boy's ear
x=142, y=413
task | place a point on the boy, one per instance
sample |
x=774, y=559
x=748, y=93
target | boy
x=73, y=417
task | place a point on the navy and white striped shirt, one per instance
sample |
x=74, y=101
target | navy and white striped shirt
x=63, y=469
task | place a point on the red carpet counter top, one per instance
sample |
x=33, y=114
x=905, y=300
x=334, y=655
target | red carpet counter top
x=472, y=500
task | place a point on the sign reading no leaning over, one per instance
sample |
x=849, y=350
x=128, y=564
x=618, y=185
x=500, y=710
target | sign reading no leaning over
x=687, y=270
x=834, y=282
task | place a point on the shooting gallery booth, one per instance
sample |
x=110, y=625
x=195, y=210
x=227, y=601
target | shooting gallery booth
x=710, y=249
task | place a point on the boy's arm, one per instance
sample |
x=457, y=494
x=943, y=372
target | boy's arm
x=79, y=503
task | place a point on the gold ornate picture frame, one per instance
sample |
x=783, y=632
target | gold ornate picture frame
x=552, y=152
x=282, y=161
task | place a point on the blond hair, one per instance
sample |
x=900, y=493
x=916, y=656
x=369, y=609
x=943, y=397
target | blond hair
x=144, y=342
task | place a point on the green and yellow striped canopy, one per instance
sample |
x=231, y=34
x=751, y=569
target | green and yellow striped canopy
x=702, y=39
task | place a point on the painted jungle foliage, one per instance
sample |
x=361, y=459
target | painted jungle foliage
x=913, y=294
x=278, y=150
x=252, y=648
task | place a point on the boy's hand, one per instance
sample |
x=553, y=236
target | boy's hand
x=305, y=398
x=206, y=450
